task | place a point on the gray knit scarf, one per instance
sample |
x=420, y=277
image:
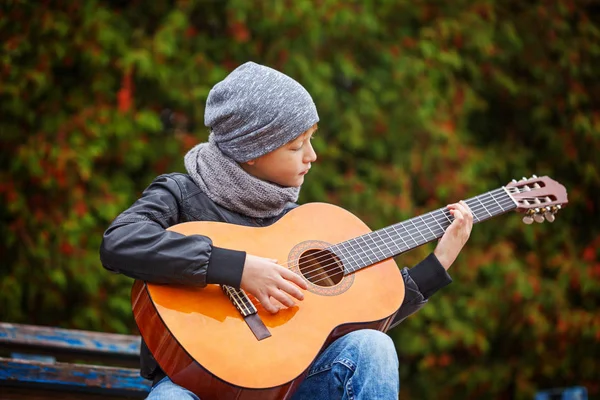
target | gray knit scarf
x=227, y=184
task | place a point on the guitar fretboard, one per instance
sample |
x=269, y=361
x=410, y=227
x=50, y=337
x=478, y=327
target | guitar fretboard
x=396, y=239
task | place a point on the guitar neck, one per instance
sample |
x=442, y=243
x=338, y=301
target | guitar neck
x=368, y=249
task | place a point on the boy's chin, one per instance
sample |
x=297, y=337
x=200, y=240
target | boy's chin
x=299, y=181
x=290, y=183
x=296, y=182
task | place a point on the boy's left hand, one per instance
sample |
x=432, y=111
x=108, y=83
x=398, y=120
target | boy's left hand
x=456, y=235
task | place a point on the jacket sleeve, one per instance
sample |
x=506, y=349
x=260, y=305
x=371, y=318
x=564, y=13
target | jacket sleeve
x=138, y=245
x=420, y=282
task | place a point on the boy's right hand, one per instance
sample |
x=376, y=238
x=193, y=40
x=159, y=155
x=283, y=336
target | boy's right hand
x=264, y=278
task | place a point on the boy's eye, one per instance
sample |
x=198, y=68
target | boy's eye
x=302, y=144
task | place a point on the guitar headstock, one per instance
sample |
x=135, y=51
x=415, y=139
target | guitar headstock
x=539, y=198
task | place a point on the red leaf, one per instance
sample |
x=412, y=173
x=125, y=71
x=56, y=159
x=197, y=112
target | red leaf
x=81, y=209
x=66, y=248
x=239, y=31
x=191, y=32
x=124, y=95
x=589, y=254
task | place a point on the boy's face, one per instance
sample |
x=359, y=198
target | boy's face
x=287, y=165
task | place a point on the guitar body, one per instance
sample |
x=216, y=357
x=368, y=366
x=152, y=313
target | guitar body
x=203, y=343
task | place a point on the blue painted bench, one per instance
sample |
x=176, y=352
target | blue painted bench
x=44, y=362
x=570, y=393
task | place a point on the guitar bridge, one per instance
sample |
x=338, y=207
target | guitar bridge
x=244, y=305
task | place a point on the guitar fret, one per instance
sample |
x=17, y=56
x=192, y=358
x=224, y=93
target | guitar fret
x=497, y=202
x=357, y=265
x=371, y=250
x=361, y=251
x=418, y=231
x=355, y=252
x=389, y=243
x=381, y=251
x=438, y=222
x=421, y=218
x=487, y=198
x=436, y=234
x=471, y=205
x=478, y=199
x=445, y=213
x=396, y=233
x=405, y=234
x=368, y=251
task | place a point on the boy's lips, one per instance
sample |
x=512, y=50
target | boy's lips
x=304, y=172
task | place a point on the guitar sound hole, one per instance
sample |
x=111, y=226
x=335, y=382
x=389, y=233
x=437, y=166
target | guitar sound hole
x=321, y=267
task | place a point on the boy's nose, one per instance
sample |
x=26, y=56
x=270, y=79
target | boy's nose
x=311, y=155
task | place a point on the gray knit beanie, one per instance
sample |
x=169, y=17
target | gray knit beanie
x=256, y=110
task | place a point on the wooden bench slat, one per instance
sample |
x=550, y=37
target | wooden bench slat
x=69, y=377
x=69, y=339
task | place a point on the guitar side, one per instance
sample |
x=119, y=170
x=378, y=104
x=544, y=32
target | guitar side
x=201, y=341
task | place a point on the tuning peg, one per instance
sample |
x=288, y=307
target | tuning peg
x=533, y=176
x=527, y=220
x=550, y=213
x=536, y=185
x=514, y=181
x=538, y=216
x=523, y=179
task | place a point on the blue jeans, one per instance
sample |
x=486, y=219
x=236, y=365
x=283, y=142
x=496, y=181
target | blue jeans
x=360, y=365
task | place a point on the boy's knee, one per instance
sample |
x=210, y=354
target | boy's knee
x=167, y=390
x=374, y=345
x=370, y=338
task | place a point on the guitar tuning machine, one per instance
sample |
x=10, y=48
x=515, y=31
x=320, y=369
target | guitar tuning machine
x=538, y=216
x=551, y=212
x=549, y=215
x=528, y=218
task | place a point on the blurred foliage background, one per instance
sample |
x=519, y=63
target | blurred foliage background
x=422, y=103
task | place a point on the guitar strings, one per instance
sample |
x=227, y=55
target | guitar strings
x=239, y=299
x=325, y=253
x=368, y=262
x=245, y=302
x=443, y=211
x=335, y=264
x=380, y=242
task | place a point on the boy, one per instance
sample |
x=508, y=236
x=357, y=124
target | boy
x=250, y=173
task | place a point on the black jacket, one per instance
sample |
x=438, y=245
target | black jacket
x=136, y=244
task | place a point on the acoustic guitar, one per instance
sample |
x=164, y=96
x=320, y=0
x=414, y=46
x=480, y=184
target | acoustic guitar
x=220, y=343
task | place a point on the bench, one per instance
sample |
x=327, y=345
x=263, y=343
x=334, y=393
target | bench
x=42, y=362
